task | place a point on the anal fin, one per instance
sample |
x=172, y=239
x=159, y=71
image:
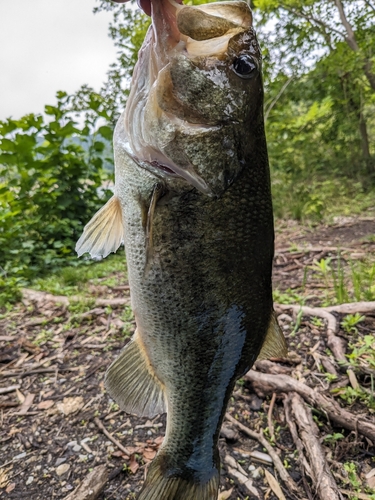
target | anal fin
x=132, y=384
x=274, y=345
x=104, y=233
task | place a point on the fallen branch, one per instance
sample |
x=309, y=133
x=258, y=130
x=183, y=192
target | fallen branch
x=269, y=367
x=237, y=473
x=323, y=480
x=91, y=486
x=11, y=388
x=303, y=463
x=352, y=308
x=285, y=477
x=336, y=344
x=43, y=297
x=110, y=437
x=341, y=417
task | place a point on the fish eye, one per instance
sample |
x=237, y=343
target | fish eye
x=245, y=66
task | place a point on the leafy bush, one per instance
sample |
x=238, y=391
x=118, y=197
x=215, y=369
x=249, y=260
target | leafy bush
x=51, y=178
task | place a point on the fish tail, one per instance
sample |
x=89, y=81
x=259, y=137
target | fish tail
x=173, y=484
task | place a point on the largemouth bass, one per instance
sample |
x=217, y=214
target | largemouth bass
x=192, y=204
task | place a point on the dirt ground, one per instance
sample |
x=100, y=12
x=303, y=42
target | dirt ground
x=57, y=423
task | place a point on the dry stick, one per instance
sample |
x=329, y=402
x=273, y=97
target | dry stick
x=269, y=416
x=303, y=464
x=110, y=437
x=290, y=484
x=338, y=415
x=34, y=372
x=11, y=388
x=324, y=482
x=91, y=486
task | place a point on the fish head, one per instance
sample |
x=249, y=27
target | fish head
x=196, y=93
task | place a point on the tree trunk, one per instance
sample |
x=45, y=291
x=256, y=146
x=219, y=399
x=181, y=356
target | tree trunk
x=352, y=42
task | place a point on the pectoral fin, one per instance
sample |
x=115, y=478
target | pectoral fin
x=156, y=195
x=104, y=233
x=131, y=382
x=274, y=345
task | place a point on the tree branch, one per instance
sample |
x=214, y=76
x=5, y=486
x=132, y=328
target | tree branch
x=367, y=2
x=352, y=42
x=312, y=20
x=272, y=104
x=340, y=416
x=350, y=36
x=324, y=482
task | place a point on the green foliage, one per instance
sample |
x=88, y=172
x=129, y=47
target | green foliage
x=353, y=282
x=362, y=351
x=333, y=438
x=320, y=103
x=318, y=322
x=350, y=322
x=353, y=478
x=288, y=297
x=51, y=175
x=350, y=396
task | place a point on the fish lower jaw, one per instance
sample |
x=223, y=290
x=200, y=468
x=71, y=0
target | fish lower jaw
x=168, y=172
x=164, y=169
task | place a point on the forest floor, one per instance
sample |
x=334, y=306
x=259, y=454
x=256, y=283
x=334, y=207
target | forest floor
x=302, y=427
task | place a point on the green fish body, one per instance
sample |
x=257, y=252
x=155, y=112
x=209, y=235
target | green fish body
x=193, y=205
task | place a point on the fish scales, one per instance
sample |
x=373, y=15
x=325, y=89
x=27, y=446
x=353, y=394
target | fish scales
x=194, y=203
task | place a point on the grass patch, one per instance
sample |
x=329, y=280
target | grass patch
x=346, y=281
x=72, y=280
x=316, y=200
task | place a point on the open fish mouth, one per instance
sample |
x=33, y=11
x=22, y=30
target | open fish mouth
x=200, y=30
x=155, y=114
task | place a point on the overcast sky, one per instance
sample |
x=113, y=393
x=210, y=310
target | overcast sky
x=50, y=45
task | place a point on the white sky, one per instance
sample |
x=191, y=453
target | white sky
x=50, y=45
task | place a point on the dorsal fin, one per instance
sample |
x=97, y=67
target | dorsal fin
x=274, y=345
x=104, y=233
